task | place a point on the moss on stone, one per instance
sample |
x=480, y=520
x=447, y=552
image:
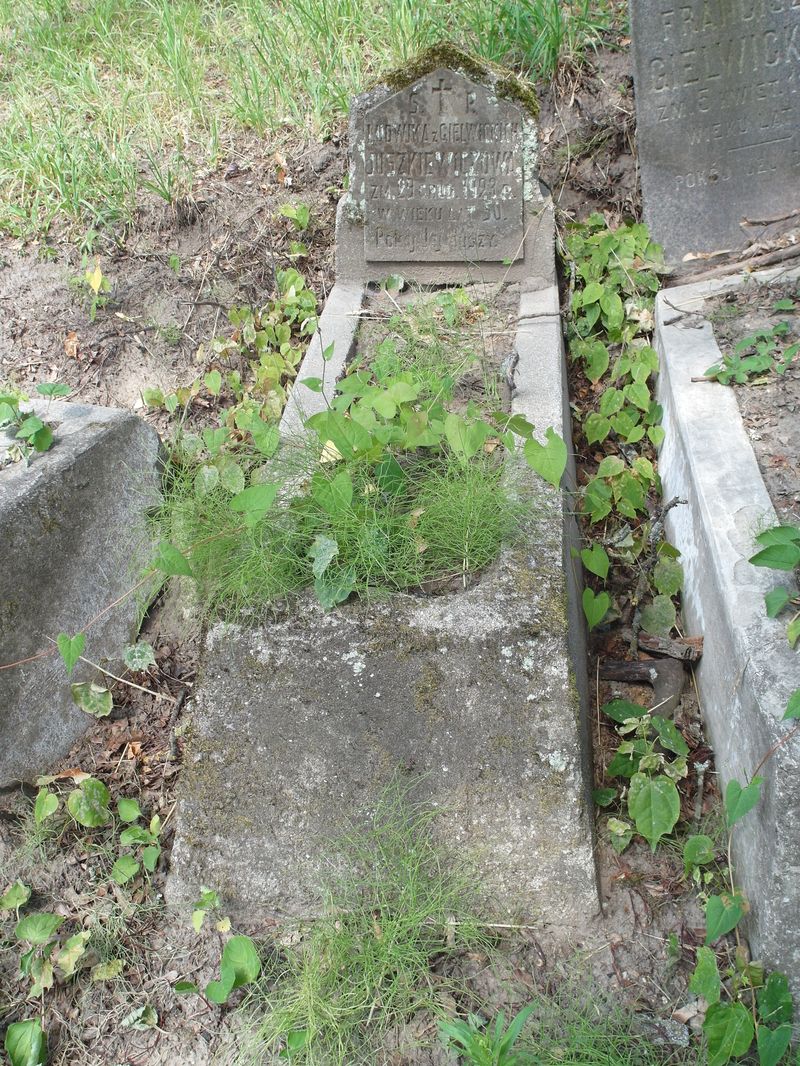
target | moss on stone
x=502, y=81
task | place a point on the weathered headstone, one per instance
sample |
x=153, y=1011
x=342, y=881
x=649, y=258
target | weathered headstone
x=718, y=116
x=476, y=696
x=72, y=541
x=443, y=181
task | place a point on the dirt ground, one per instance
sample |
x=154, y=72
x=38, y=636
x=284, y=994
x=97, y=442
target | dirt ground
x=770, y=405
x=173, y=278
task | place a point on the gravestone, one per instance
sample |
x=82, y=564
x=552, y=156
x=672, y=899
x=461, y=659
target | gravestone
x=475, y=697
x=443, y=180
x=73, y=540
x=718, y=117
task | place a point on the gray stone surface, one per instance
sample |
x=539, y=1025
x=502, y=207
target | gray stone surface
x=443, y=181
x=477, y=695
x=326, y=356
x=748, y=671
x=718, y=116
x=72, y=540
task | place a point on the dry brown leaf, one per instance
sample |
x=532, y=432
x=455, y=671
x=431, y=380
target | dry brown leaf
x=71, y=344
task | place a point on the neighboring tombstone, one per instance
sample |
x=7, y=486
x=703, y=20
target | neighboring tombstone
x=718, y=117
x=72, y=542
x=443, y=181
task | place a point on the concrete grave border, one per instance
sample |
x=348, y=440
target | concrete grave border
x=748, y=670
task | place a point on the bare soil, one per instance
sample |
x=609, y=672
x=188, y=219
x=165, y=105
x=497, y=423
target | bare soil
x=770, y=405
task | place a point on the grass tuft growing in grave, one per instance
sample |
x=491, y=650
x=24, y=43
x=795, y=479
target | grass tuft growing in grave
x=107, y=99
x=399, y=484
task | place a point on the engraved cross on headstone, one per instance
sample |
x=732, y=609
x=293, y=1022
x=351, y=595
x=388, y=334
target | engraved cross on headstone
x=441, y=89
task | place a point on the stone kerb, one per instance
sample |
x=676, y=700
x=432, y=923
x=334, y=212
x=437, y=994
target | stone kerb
x=748, y=670
x=718, y=117
x=443, y=179
x=73, y=540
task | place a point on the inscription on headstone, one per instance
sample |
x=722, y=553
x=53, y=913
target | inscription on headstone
x=443, y=174
x=718, y=110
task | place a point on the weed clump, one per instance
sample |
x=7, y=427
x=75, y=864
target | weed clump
x=398, y=906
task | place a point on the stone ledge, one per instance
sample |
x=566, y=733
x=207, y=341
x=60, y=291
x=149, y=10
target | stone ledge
x=71, y=526
x=748, y=670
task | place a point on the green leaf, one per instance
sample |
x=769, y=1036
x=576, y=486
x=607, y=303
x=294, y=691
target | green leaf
x=94, y=699
x=591, y=294
x=88, y=804
x=738, y=800
x=347, y=436
x=25, y=1043
x=622, y=710
x=658, y=617
x=42, y=439
x=775, y=1000
x=71, y=952
x=135, y=834
x=610, y=466
x=53, y=389
x=548, y=460
x=595, y=361
x=723, y=913
x=596, y=427
x=205, y=480
x=15, y=896
x=729, y=1032
x=655, y=805
x=46, y=805
x=466, y=438
x=334, y=495
x=266, y=438
x=315, y=384
x=603, y=796
x=793, y=706
x=213, y=382
x=332, y=589
x=668, y=576
x=172, y=562
x=231, y=477
x=70, y=649
x=669, y=736
x=184, y=988
x=776, y=600
x=323, y=551
x=778, y=556
x=595, y=607
x=150, y=856
x=139, y=656
x=779, y=535
x=705, y=980
x=38, y=928
x=773, y=1044
x=124, y=869
x=218, y=991
x=128, y=810
x=793, y=631
x=254, y=502
x=107, y=971
x=240, y=955
x=697, y=851
x=596, y=560
x=620, y=834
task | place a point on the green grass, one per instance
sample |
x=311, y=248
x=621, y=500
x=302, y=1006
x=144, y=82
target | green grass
x=399, y=906
x=450, y=520
x=102, y=98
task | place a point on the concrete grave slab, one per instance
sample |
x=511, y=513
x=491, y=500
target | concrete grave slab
x=72, y=540
x=748, y=670
x=478, y=696
x=718, y=117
